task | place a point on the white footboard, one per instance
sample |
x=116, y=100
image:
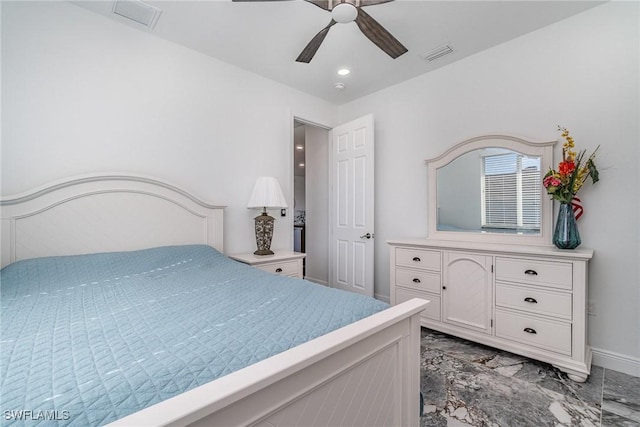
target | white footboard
x=364, y=374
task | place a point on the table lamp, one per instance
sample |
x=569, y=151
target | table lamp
x=266, y=194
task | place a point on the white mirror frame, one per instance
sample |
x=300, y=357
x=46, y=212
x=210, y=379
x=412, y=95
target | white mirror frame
x=544, y=149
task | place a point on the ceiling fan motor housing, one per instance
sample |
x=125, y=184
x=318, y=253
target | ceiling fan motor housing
x=344, y=13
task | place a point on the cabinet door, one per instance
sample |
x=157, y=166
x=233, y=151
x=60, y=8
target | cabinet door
x=467, y=291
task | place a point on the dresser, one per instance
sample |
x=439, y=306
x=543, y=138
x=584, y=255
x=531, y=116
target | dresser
x=527, y=299
x=286, y=263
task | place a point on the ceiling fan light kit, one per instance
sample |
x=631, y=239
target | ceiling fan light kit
x=345, y=11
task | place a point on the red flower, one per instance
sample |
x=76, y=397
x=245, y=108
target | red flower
x=551, y=181
x=566, y=167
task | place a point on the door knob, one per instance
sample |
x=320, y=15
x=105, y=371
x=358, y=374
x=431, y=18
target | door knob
x=366, y=236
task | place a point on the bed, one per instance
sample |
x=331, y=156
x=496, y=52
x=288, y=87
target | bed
x=358, y=366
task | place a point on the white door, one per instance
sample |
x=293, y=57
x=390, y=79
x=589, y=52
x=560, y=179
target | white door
x=351, y=245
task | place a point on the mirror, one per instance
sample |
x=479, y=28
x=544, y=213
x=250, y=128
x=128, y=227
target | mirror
x=489, y=188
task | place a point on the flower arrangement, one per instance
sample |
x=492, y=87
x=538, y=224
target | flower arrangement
x=563, y=184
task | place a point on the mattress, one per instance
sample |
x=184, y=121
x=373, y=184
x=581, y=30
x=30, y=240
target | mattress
x=88, y=339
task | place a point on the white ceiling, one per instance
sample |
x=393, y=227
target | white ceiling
x=266, y=37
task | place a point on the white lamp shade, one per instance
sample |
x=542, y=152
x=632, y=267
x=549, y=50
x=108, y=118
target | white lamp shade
x=267, y=194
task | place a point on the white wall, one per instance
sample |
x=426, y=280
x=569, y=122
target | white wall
x=298, y=194
x=581, y=73
x=83, y=93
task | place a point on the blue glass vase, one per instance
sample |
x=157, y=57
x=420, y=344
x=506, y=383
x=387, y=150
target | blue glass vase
x=566, y=235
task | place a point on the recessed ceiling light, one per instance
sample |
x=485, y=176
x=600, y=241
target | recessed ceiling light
x=299, y=147
x=301, y=165
x=344, y=71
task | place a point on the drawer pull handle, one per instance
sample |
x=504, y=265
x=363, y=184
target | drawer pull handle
x=531, y=272
x=278, y=270
x=416, y=259
x=531, y=300
x=416, y=280
x=530, y=331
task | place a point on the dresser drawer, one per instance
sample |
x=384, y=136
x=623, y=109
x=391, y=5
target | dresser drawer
x=418, y=258
x=534, y=300
x=433, y=308
x=541, y=333
x=546, y=273
x=419, y=280
x=285, y=268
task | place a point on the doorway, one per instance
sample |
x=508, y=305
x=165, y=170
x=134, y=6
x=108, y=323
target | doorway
x=334, y=203
x=299, y=190
x=310, y=211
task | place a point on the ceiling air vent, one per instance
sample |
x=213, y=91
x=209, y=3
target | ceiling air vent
x=438, y=53
x=137, y=11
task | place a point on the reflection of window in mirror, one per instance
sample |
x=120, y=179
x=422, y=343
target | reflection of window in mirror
x=511, y=192
x=489, y=189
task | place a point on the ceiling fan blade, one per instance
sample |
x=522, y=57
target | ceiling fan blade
x=312, y=47
x=372, y=2
x=378, y=35
x=324, y=4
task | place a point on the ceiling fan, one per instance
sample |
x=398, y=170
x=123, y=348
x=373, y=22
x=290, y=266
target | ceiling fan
x=345, y=11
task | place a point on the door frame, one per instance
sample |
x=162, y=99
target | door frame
x=293, y=117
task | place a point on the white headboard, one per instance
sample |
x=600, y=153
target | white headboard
x=104, y=213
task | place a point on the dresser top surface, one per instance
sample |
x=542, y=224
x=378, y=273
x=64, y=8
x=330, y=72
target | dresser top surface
x=498, y=248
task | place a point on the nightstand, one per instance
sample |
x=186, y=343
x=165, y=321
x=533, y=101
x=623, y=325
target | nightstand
x=286, y=263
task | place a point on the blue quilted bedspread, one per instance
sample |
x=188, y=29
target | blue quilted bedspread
x=88, y=339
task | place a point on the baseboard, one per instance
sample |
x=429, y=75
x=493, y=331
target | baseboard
x=616, y=361
x=318, y=281
x=383, y=298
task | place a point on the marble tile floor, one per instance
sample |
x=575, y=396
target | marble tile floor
x=468, y=384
